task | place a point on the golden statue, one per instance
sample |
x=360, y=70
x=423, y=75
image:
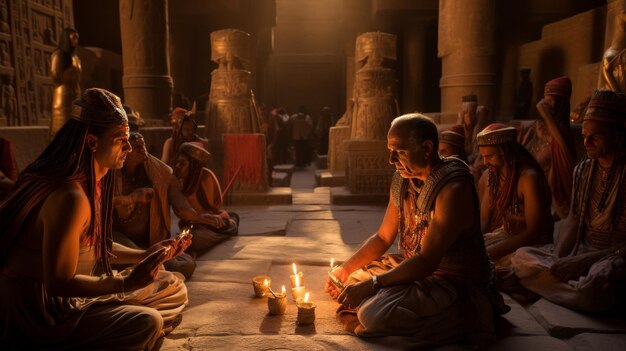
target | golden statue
x=231, y=106
x=613, y=70
x=65, y=70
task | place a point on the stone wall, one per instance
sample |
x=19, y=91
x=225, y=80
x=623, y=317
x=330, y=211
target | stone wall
x=565, y=46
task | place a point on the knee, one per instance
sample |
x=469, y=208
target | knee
x=372, y=316
x=150, y=323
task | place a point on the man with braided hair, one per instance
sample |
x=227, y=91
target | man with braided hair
x=202, y=189
x=53, y=227
x=514, y=197
x=586, y=269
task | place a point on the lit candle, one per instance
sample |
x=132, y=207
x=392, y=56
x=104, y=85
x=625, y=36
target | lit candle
x=306, y=311
x=332, y=263
x=298, y=291
x=293, y=276
x=261, y=285
x=277, y=304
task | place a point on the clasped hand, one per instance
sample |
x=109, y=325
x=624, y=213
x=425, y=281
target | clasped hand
x=572, y=267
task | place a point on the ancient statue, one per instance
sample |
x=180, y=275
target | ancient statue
x=613, y=69
x=65, y=70
x=375, y=91
x=231, y=101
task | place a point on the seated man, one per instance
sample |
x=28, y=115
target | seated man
x=144, y=189
x=514, y=196
x=452, y=143
x=53, y=227
x=440, y=289
x=184, y=130
x=586, y=270
x=202, y=190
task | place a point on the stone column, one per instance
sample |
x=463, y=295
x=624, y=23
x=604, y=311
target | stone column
x=413, y=47
x=147, y=82
x=466, y=49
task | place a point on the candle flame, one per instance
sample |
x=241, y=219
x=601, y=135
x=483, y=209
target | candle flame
x=283, y=290
x=332, y=263
x=297, y=281
x=306, y=297
x=265, y=282
x=293, y=265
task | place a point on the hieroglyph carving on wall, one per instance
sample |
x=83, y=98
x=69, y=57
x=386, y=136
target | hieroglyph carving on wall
x=29, y=32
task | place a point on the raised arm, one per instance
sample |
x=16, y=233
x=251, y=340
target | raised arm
x=166, y=155
x=553, y=128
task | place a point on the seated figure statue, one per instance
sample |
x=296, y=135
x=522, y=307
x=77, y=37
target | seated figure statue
x=514, y=197
x=586, y=270
x=440, y=289
x=144, y=190
x=53, y=228
x=202, y=189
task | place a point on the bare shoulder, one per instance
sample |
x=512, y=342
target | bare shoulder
x=68, y=200
x=529, y=177
x=456, y=191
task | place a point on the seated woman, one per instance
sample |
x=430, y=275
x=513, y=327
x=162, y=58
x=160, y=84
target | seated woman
x=204, y=193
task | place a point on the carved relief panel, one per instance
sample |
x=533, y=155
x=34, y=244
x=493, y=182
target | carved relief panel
x=29, y=31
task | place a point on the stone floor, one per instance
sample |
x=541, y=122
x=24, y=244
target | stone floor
x=223, y=313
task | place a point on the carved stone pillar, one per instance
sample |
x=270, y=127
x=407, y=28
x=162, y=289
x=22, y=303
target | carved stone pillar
x=413, y=48
x=375, y=106
x=375, y=92
x=466, y=49
x=147, y=82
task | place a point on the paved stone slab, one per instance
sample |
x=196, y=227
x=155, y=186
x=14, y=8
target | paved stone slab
x=278, y=249
x=354, y=226
x=274, y=196
x=564, y=323
x=342, y=196
x=518, y=322
x=258, y=221
x=525, y=343
x=232, y=271
x=299, y=208
x=598, y=342
x=277, y=342
x=310, y=199
x=325, y=231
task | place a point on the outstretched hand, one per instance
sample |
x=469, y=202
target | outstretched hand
x=145, y=271
x=176, y=246
x=330, y=288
